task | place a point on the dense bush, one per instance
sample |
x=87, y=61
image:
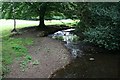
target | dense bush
x=101, y=25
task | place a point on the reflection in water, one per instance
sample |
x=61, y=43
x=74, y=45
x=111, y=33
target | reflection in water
x=100, y=64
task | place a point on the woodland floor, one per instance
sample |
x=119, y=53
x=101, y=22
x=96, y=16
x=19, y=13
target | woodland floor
x=51, y=54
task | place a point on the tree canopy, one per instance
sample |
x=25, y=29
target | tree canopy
x=99, y=22
x=36, y=10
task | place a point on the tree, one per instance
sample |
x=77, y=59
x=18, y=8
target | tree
x=42, y=11
x=13, y=11
x=36, y=9
x=100, y=24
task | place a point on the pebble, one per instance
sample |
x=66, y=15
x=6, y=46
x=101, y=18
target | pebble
x=91, y=59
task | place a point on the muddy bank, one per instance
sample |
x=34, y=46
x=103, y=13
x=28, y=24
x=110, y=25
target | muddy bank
x=50, y=53
x=89, y=60
x=93, y=62
x=24, y=32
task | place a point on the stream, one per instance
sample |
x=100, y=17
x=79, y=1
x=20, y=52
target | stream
x=87, y=60
x=70, y=40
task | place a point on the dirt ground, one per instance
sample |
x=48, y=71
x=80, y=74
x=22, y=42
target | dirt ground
x=51, y=54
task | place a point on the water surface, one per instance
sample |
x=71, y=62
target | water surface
x=89, y=61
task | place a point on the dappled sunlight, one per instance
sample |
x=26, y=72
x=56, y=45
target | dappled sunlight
x=7, y=25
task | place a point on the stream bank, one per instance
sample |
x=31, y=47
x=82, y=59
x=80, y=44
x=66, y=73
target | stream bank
x=49, y=54
x=88, y=60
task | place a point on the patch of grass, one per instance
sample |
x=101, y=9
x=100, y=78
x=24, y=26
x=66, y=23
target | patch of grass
x=36, y=62
x=72, y=24
x=27, y=60
x=13, y=48
x=7, y=25
x=24, y=62
x=28, y=57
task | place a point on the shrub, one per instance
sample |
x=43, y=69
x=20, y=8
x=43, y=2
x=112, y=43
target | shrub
x=103, y=36
x=101, y=25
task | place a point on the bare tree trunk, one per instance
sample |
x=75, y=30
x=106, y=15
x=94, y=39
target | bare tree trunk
x=14, y=30
x=43, y=8
x=14, y=21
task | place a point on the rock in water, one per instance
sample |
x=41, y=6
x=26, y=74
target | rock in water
x=91, y=59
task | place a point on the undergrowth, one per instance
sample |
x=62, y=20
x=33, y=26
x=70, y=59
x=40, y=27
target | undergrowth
x=13, y=48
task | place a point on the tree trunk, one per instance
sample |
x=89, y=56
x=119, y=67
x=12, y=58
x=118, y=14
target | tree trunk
x=41, y=16
x=14, y=29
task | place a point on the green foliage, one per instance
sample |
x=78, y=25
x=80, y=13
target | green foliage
x=54, y=15
x=84, y=14
x=59, y=37
x=28, y=57
x=5, y=69
x=75, y=38
x=74, y=24
x=13, y=48
x=103, y=36
x=36, y=62
x=36, y=10
x=22, y=10
x=24, y=63
x=100, y=24
x=27, y=60
x=31, y=10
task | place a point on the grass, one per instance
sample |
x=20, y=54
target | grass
x=16, y=47
x=7, y=25
x=24, y=62
x=13, y=48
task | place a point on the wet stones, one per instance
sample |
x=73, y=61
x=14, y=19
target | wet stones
x=91, y=59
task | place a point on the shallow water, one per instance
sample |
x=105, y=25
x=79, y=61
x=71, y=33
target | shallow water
x=70, y=40
x=104, y=66
x=88, y=62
